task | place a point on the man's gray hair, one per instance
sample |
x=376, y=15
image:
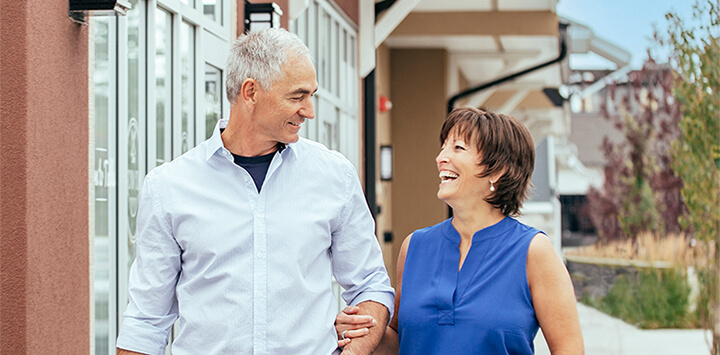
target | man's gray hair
x=260, y=55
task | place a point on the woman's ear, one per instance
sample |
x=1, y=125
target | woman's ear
x=497, y=175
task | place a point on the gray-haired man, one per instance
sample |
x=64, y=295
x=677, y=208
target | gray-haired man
x=237, y=238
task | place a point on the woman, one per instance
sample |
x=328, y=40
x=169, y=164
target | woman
x=480, y=282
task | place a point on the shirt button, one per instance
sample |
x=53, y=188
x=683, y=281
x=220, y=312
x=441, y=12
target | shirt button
x=259, y=255
x=259, y=294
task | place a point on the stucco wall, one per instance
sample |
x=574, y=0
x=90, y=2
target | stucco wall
x=383, y=220
x=44, y=255
x=418, y=78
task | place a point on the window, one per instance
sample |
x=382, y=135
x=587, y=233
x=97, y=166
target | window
x=150, y=74
x=331, y=38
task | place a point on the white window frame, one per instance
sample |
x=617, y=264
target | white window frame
x=337, y=99
x=218, y=36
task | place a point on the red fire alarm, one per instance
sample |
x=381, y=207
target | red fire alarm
x=384, y=104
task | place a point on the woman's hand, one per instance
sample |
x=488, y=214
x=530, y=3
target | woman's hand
x=348, y=325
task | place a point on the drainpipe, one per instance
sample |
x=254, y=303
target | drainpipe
x=560, y=57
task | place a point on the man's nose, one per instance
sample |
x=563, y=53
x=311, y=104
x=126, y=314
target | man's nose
x=307, y=110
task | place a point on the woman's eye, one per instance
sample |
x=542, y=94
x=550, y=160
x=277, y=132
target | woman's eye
x=459, y=147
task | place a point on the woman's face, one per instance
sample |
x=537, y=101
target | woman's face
x=458, y=169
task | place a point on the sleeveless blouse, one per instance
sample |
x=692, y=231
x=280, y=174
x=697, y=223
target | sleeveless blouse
x=485, y=308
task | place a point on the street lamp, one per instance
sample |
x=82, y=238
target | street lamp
x=79, y=9
x=261, y=16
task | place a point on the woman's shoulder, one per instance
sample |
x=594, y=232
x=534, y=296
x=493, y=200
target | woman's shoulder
x=430, y=231
x=522, y=230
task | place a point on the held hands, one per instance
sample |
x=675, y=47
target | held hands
x=348, y=325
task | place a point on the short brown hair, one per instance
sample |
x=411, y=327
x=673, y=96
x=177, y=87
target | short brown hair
x=504, y=144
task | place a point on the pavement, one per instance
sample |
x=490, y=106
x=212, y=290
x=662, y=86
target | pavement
x=605, y=335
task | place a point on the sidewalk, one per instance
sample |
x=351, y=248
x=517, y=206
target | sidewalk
x=605, y=335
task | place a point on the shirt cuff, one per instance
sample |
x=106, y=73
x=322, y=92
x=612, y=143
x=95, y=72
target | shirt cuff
x=387, y=299
x=141, y=337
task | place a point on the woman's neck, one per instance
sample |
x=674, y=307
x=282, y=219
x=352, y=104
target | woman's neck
x=467, y=222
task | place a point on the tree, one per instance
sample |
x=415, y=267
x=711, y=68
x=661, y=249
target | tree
x=696, y=59
x=641, y=191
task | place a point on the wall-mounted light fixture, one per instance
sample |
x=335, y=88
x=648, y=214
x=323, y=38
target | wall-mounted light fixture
x=79, y=9
x=556, y=95
x=261, y=16
x=386, y=162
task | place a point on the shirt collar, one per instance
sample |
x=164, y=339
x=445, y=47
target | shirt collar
x=215, y=143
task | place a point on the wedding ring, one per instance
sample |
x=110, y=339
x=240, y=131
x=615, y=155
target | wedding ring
x=342, y=335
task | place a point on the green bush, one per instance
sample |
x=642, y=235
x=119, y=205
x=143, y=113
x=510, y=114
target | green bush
x=652, y=298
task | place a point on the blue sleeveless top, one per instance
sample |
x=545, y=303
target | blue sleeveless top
x=485, y=308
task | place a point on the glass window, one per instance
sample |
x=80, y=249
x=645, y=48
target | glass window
x=213, y=98
x=146, y=104
x=332, y=42
x=187, y=84
x=104, y=159
x=132, y=156
x=163, y=85
x=213, y=10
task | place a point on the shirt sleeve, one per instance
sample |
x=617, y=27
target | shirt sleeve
x=356, y=256
x=152, y=307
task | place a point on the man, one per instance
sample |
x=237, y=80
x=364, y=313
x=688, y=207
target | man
x=238, y=237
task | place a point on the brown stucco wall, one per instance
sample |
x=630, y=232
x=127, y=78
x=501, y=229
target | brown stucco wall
x=418, y=79
x=383, y=220
x=44, y=255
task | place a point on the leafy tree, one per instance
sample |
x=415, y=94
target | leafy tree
x=641, y=191
x=696, y=60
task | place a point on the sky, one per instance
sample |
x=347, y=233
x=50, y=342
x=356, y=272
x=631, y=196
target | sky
x=626, y=23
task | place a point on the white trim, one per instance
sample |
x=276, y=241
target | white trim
x=509, y=55
x=514, y=101
x=392, y=18
x=295, y=8
x=366, y=38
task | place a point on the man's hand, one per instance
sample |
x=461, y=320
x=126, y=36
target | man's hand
x=349, y=324
x=354, y=327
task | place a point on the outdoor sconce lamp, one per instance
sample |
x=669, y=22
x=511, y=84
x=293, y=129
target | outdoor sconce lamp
x=556, y=95
x=261, y=16
x=386, y=162
x=79, y=9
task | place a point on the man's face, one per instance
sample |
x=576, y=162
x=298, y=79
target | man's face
x=281, y=110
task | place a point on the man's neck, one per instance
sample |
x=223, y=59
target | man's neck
x=246, y=145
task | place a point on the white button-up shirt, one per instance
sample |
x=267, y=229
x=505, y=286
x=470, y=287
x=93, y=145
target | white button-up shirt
x=246, y=272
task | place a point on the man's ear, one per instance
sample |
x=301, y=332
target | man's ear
x=249, y=91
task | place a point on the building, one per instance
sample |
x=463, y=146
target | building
x=87, y=110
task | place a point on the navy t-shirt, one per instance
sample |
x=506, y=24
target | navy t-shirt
x=256, y=166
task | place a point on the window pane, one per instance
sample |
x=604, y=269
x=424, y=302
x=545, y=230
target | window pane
x=213, y=98
x=187, y=82
x=213, y=10
x=163, y=84
x=136, y=120
x=104, y=177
